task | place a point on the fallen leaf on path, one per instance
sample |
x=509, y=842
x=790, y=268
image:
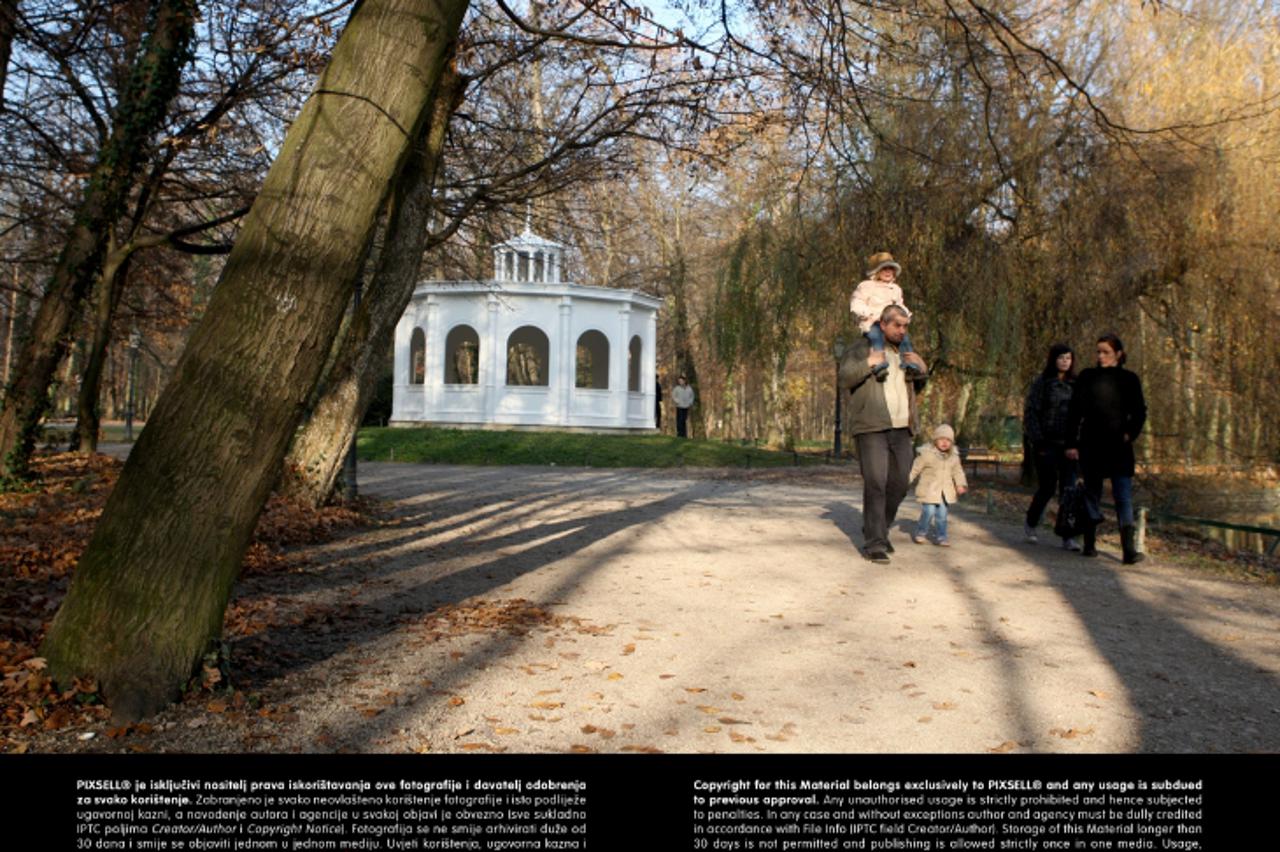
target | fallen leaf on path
x=1071, y=733
x=1006, y=746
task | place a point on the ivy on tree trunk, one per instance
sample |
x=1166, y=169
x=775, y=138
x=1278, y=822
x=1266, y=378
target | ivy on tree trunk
x=141, y=111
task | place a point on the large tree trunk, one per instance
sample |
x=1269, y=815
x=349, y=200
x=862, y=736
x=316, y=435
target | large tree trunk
x=152, y=587
x=316, y=457
x=677, y=286
x=8, y=26
x=141, y=111
x=110, y=286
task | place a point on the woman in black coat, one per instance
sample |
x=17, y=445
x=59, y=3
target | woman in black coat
x=1105, y=417
x=1044, y=420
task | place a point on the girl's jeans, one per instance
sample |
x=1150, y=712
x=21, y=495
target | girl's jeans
x=1121, y=493
x=876, y=335
x=936, y=514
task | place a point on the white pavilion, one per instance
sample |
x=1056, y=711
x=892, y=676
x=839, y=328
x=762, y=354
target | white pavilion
x=526, y=349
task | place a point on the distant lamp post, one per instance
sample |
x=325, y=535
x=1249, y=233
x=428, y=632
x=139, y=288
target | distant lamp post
x=135, y=341
x=837, y=349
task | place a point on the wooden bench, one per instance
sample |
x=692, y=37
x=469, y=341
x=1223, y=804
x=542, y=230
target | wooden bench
x=980, y=455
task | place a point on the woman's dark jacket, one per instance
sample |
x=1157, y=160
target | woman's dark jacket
x=1106, y=406
x=1044, y=415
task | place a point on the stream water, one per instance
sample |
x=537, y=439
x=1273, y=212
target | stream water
x=1212, y=498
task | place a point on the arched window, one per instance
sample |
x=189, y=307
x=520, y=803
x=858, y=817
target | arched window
x=462, y=356
x=592, y=369
x=633, y=364
x=417, y=357
x=527, y=356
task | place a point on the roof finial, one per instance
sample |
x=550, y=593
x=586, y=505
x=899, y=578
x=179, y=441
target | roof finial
x=528, y=216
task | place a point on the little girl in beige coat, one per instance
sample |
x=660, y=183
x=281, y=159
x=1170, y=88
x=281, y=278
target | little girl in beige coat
x=941, y=483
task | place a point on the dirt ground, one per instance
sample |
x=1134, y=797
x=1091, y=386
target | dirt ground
x=545, y=609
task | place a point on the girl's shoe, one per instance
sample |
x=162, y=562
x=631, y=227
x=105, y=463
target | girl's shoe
x=942, y=542
x=917, y=538
x=1070, y=544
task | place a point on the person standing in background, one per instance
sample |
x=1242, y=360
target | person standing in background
x=682, y=396
x=657, y=403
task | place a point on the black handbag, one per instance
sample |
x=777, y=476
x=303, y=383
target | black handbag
x=1073, y=512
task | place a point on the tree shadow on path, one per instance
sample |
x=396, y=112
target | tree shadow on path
x=284, y=649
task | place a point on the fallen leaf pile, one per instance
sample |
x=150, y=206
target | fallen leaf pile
x=285, y=524
x=43, y=531
x=516, y=616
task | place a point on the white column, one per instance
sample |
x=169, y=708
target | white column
x=493, y=361
x=649, y=359
x=618, y=367
x=433, y=358
x=400, y=369
x=568, y=371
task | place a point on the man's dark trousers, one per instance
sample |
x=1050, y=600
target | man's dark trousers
x=682, y=422
x=886, y=459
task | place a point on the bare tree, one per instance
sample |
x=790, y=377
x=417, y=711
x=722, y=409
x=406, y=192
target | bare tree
x=143, y=104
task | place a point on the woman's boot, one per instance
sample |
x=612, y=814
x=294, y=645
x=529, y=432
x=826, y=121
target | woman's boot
x=1090, y=541
x=1129, y=546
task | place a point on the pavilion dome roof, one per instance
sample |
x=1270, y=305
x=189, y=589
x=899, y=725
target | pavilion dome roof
x=529, y=241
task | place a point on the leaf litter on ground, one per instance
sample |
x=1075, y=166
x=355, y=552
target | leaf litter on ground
x=43, y=531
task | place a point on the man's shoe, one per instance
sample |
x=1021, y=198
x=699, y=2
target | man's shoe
x=878, y=556
x=888, y=547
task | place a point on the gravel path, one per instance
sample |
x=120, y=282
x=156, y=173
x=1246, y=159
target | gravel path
x=544, y=609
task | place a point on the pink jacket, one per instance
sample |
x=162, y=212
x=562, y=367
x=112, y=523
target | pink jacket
x=871, y=298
